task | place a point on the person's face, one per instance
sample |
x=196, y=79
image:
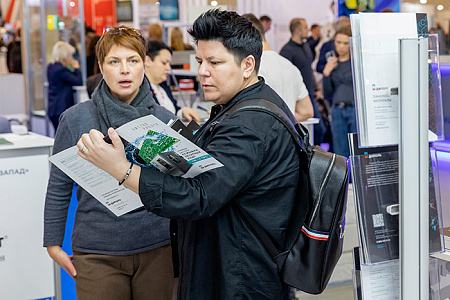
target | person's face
x=123, y=71
x=303, y=30
x=88, y=37
x=158, y=69
x=266, y=25
x=316, y=32
x=220, y=76
x=342, y=44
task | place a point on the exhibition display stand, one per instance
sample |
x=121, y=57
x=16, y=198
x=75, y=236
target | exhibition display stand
x=26, y=270
x=394, y=170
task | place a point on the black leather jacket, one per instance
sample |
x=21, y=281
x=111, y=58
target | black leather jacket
x=220, y=255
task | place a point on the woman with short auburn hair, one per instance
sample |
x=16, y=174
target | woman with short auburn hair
x=126, y=257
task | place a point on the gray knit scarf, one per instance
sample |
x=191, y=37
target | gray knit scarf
x=114, y=113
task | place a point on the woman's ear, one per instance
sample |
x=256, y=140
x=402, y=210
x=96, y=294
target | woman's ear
x=100, y=67
x=248, y=65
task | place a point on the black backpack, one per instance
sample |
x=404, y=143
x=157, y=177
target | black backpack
x=315, y=233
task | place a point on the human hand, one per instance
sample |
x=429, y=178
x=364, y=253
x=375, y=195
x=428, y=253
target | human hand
x=75, y=64
x=329, y=67
x=190, y=113
x=62, y=259
x=108, y=157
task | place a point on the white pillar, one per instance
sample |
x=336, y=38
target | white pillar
x=413, y=166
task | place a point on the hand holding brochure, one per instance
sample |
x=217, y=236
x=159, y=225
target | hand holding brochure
x=148, y=142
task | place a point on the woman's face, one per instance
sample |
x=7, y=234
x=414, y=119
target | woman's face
x=158, y=69
x=342, y=44
x=123, y=71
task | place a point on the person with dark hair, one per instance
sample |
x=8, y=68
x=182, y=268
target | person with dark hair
x=114, y=258
x=91, y=58
x=221, y=256
x=314, y=38
x=266, y=22
x=157, y=67
x=299, y=53
x=338, y=86
x=89, y=33
x=14, y=54
x=281, y=75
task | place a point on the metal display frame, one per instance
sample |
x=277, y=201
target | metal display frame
x=413, y=169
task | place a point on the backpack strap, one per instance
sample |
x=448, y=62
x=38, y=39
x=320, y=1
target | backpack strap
x=298, y=131
x=301, y=137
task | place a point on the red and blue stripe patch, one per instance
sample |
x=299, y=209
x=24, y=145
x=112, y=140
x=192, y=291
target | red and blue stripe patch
x=316, y=235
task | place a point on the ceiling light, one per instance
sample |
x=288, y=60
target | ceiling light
x=423, y=1
x=440, y=7
x=214, y=3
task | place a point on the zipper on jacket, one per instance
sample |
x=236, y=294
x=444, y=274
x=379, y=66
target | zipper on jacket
x=319, y=198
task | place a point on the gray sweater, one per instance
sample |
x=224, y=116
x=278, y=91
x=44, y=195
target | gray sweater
x=96, y=229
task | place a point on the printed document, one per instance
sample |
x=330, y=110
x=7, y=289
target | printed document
x=148, y=143
x=375, y=46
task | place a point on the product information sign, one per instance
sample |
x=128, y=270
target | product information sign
x=26, y=270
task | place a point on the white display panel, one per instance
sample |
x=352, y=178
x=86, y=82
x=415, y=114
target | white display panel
x=26, y=270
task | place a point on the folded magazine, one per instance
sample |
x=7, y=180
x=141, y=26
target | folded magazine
x=148, y=143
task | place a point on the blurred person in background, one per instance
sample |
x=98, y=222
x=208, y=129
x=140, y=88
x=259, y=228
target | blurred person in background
x=327, y=49
x=281, y=75
x=63, y=73
x=314, y=38
x=14, y=54
x=338, y=86
x=266, y=22
x=176, y=40
x=114, y=258
x=155, y=32
x=298, y=52
x=91, y=58
x=157, y=67
x=89, y=33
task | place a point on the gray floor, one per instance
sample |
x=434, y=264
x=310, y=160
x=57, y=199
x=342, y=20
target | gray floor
x=334, y=292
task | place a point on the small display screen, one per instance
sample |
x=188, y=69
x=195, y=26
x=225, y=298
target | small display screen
x=124, y=11
x=168, y=10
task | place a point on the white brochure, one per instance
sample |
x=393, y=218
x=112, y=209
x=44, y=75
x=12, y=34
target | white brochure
x=148, y=142
x=376, y=65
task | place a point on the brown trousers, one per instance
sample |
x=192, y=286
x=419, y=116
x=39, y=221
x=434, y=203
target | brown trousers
x=143, y=276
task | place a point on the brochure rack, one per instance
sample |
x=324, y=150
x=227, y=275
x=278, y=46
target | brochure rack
x=397, y=200
x=375, y=173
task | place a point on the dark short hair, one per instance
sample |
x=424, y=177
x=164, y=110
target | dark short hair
x=295, y=23
x=265, y=18
x=314, y=26
x=154, y=47
x=235, y=32
x=89, y=30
